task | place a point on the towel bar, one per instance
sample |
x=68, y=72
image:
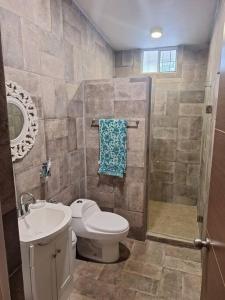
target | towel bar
x=95, y=123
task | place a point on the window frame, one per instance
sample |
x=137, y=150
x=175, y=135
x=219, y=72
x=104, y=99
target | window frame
x=160, y=49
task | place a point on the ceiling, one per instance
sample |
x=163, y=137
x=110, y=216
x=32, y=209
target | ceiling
x=125, y=24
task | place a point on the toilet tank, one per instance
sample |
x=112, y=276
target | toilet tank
x=83, y=208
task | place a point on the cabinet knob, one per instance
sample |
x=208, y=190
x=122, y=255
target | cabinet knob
x=54, y=255
x=58, y=251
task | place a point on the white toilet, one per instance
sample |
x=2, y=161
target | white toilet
x=98, y=232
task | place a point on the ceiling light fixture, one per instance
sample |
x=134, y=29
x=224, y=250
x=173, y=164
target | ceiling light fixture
x=156, y=33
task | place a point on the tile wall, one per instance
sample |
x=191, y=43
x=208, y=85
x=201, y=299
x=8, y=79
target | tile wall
x=126, y=98
x=49, y=48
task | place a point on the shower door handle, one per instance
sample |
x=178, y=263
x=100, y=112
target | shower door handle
x=199, y=244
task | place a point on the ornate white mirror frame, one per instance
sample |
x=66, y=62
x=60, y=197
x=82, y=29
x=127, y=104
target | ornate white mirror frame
x=24, y=142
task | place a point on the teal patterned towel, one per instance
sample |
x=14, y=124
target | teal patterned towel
x=113, y=147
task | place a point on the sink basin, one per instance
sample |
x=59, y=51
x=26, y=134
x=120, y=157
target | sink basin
x=43, y=222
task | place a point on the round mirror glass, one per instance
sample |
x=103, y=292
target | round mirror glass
x=16, y=121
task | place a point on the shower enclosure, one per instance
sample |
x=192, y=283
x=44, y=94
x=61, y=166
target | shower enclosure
x=175, y=149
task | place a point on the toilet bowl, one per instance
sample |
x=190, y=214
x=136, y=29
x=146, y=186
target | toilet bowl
x=98, y=232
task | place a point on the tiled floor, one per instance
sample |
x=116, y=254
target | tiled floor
x=152, y=271
x=174, y=220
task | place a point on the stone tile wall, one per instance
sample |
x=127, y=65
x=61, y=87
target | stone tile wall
x=176, y=123
x=49, y=48
x=119, y=98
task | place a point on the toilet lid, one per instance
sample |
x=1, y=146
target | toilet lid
x=107, y=222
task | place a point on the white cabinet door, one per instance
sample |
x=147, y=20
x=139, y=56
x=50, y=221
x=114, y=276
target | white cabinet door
x=51, y=268
x=42, y=268
x=64, y=264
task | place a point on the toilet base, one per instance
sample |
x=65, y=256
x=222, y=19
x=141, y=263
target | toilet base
x=102, y=251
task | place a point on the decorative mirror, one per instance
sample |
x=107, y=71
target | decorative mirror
x=23, y=122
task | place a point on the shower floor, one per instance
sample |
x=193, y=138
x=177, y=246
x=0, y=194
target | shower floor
x=173, y=220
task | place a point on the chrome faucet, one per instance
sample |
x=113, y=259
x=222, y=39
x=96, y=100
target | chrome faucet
x=23, y=208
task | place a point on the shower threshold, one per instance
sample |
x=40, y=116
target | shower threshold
x=172, y=223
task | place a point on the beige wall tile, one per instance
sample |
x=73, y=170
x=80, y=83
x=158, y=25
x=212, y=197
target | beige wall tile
x=31, y=35
x=11, y=39
x=52, y=66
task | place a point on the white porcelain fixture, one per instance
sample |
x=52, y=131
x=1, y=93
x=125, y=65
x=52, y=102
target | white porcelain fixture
x=46, y=250
x=98, y=232
x=43, y=222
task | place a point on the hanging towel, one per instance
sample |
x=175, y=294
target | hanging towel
x=113, y=147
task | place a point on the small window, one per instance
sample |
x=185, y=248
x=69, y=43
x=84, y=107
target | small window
x=162, y=61
x=150, y=61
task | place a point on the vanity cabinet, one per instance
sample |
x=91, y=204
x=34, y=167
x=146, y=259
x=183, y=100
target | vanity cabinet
x=47, y=268
x=63, y=264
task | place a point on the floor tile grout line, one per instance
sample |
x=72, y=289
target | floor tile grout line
x=155, y=286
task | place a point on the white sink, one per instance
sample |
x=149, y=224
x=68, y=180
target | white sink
x=43, y=222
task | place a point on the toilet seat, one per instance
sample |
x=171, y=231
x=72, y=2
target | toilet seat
x=107, y=222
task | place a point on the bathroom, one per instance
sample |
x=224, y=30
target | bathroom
x=155, y=67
